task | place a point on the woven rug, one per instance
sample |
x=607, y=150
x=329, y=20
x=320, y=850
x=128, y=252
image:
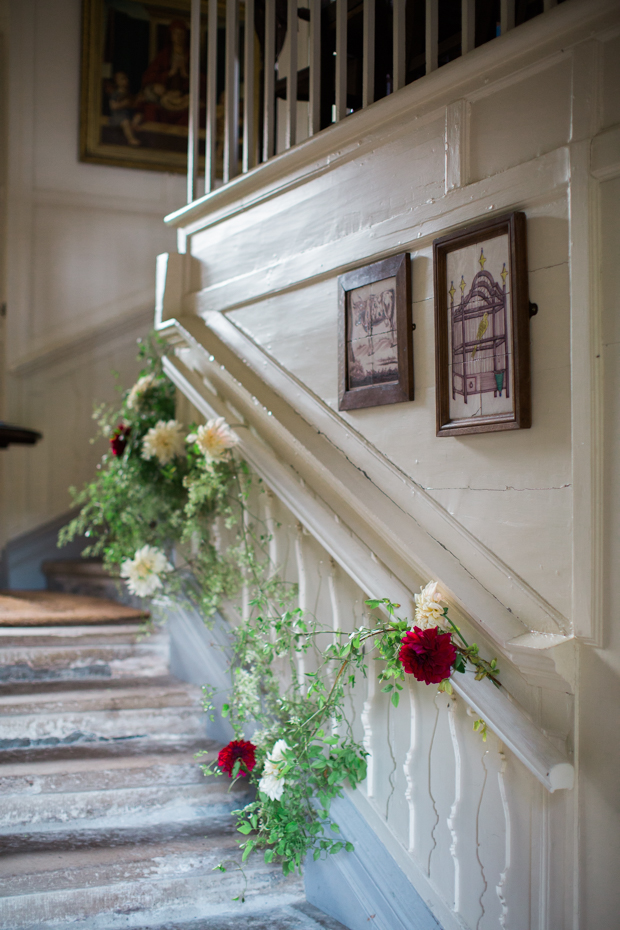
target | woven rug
x=51, y=608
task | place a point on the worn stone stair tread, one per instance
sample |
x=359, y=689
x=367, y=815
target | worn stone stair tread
x=47, y=686
x=49, y=608
x=90, y=833
x=84, y=774
x=106, y=749
x=298, y=916
x=140, y=803
x=188, y=888
x=81, y=868
x=74, y=634
x=177, y=694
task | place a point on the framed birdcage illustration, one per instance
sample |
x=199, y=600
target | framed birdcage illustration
x=482, y=312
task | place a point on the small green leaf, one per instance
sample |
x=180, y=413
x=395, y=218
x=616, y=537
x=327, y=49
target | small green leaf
x=395, y=698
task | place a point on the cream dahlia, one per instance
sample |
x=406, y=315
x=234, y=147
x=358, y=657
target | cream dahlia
x=163, y=441
x=144, y=570
x=140, y=387
x=428, y=607
x=272, y=783
x=214, y=439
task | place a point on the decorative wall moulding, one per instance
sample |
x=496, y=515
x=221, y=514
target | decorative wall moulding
x=375, y=352
x=482, y=338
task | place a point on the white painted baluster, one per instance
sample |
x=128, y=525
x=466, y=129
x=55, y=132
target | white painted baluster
x=453, y=819
x=245, y=588
x=314, y=107
x=408, y=764
x=491, y=834
x=193, y=128
x=332, y=587
x=442, y=777
x=371, y=688
x=249, y=123
x=468, y=26
x=270, y=524
x=291, y=80
x=211, y=118
x=231, y=122
x=399, y=47
x=302, y=581
x=501, y=885
x=432, y=34
x=368, y=53
x=270, y=54
x=341, y=59
x=507, y=15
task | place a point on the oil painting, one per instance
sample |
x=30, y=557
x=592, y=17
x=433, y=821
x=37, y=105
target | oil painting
x=135, y=84
x=375, y=362
x=482, y=321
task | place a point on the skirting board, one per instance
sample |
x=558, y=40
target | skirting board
x=364, y=888
x=201, y=655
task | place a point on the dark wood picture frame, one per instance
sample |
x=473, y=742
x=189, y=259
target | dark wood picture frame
x=397, y=385
x=481, y=304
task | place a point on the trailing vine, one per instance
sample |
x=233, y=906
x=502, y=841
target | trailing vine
x=150, y=512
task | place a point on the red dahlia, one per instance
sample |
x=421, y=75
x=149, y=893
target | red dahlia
x=118, y=439
x=237, y=749
x=427, y=654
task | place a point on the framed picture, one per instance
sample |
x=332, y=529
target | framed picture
x=375, y=353
x=135, y=83
x=482, y=330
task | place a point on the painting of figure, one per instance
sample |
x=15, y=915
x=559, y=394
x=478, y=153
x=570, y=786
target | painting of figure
x=135, y=84
x=372, y=343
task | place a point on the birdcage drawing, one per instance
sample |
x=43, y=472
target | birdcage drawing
x=479, y=324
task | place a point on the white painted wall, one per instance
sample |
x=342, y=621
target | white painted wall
x=79, y=255
x=521, y=528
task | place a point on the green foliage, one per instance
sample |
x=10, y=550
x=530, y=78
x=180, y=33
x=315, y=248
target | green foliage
x=134, y=502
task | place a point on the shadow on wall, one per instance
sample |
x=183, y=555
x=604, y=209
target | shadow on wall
x=23, y=557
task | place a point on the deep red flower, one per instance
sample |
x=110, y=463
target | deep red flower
x=237, y=749
x=118, y=439
x=427, y=654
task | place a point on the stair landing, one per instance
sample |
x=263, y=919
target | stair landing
x=51, y=608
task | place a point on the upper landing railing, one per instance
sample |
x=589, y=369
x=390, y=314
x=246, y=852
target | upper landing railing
x=255, y=93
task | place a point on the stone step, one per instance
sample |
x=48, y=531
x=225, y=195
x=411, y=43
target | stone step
x=113, y=713
x=49, y=657
x=116, y=805
x=30, y=780
x=298, y=916
x=83, y=684
x=137, y=885
x=107, y=749
x=122, y=810
x=174, y=823
x=101, y=634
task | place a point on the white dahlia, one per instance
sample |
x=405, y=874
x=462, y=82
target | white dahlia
x=140, y=387
x=163, y=441
x=143, y=571
x=214, y=439
x=272, y=783
x=428, y=607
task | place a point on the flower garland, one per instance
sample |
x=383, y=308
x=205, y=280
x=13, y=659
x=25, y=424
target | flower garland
x=160, y=487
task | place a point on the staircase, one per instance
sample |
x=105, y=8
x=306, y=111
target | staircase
x=106, y=820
